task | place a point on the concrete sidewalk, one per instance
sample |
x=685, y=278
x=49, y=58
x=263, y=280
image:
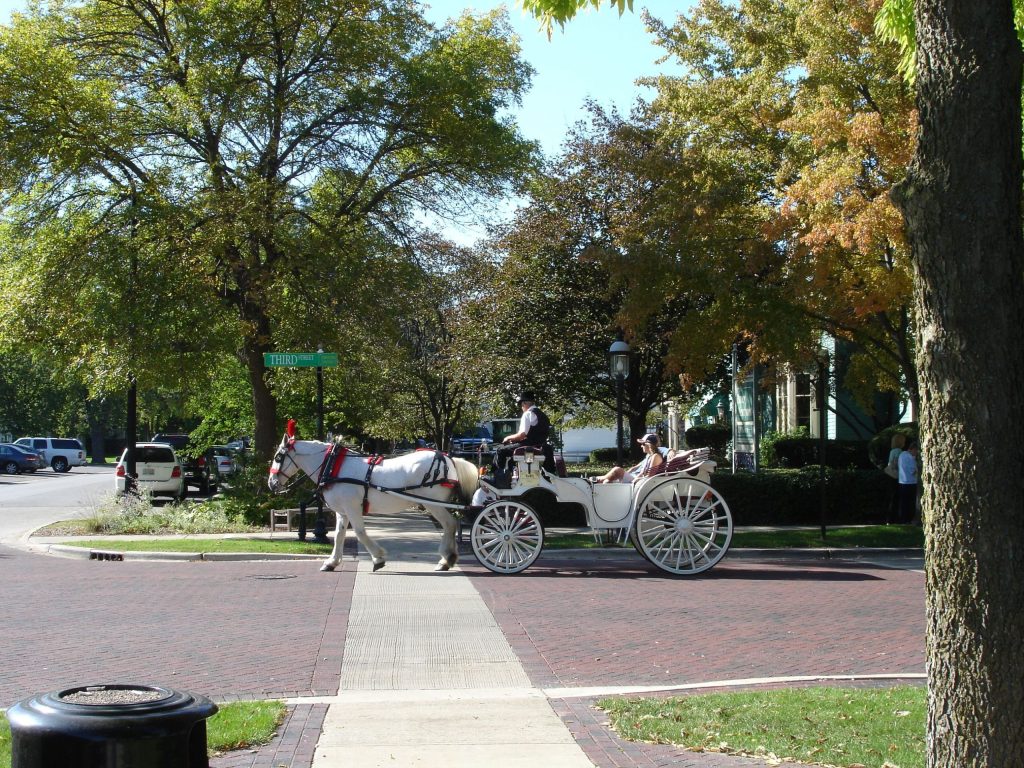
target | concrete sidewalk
x=427, y=675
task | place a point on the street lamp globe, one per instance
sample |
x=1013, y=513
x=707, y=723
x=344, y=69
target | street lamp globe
x=618, y=357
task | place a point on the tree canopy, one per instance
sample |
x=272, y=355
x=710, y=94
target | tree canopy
x=278, y=146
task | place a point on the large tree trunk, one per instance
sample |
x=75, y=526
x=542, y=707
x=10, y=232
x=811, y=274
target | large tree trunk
x=256, y=342
x=962, y=202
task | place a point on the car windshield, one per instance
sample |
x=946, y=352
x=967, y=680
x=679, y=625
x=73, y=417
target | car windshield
x=20, y=449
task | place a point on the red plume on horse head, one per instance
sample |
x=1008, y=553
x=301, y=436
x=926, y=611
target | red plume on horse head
x=290, y=430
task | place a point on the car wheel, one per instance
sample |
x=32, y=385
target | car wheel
x=60, y=464
x=11, y=467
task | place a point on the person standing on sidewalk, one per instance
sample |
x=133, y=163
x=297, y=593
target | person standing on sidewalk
x=908, y=482
x=892, y=472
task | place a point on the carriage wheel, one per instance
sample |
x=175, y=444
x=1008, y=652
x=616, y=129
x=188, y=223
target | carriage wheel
x=683, y=526
x=507, y=537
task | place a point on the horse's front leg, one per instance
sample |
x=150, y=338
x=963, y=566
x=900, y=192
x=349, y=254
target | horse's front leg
x=378, y=555
x=340, y=529
x=449, y=549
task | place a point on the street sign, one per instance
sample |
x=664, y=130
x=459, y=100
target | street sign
x=300, y=359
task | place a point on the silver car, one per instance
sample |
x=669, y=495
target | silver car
x=158, y=468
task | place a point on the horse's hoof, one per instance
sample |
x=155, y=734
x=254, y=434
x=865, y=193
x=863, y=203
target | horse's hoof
x=442, y=566
x=378, y=566
x=326, y=567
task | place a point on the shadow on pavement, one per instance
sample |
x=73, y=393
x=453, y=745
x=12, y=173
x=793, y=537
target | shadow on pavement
x=620, y=570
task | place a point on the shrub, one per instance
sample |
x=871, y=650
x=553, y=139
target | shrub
x=766, y=445
x=250, y=499
x=879, y=445
x=603, y=455
x=795, y=450
x=137, y=514
x=793, y=496
x=713, y=436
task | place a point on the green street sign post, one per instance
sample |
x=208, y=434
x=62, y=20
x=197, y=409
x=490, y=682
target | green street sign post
x=300, y=359
x=318, y=360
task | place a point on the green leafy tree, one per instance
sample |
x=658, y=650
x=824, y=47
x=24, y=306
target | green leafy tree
x=553, y=308
x=277, y=141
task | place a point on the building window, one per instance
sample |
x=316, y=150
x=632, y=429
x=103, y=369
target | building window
x=803, y=400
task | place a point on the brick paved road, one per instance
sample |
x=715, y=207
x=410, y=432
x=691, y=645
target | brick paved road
x=587, y=622
x=262, y=630
x=225, y=630
x=605, y=622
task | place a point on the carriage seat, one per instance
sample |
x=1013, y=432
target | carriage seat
x=551, y=464
x=687, y=461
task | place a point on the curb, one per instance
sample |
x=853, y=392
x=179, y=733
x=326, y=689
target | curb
x=84, y=553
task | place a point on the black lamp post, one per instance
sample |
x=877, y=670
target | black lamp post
x=618, y=363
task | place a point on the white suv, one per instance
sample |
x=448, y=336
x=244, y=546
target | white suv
x=61, y=453
x=158, y=470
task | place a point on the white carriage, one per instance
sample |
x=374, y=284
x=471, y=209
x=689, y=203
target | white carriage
x=675, y=519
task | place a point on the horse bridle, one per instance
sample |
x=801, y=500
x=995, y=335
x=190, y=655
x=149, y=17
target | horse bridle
x=284, y=452
x=279, y=457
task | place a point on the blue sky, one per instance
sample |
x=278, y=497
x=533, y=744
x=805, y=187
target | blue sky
x=598, y=55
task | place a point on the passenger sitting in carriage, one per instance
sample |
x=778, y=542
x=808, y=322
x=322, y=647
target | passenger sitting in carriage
x=650, y=463
x=534, y=427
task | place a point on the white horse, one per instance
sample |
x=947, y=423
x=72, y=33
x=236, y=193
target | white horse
x=358, y=484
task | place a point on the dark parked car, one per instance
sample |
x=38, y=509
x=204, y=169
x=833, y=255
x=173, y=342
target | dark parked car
x=198, y=470
x=14, y=459
x=470, y=441
x=222, y=459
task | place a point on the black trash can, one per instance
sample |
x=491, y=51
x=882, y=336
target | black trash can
x=110, y=726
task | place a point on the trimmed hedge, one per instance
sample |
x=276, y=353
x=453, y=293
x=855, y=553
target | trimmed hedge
x=713, y=436
x=792, y=496
x=605, y=455
x=796, y=452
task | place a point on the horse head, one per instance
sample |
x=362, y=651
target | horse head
x=284, y=467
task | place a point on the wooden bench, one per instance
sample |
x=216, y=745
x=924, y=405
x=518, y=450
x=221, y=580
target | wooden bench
x=282, y=519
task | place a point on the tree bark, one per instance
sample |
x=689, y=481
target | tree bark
x=962, y=202
x=255, y=343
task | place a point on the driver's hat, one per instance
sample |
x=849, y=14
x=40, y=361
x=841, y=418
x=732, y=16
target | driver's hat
x=527, y=397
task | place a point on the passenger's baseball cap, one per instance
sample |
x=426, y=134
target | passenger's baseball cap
x=650, y=437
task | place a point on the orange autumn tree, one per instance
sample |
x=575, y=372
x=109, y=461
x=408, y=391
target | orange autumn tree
x=780, y=145
x=852, y=133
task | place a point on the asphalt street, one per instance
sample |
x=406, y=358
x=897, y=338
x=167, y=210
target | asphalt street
x=31, y=500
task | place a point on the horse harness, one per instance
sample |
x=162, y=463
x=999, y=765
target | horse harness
x=334, y=458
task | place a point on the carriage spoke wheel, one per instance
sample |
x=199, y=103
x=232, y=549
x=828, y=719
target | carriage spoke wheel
x=683, y=526
x=507, y=537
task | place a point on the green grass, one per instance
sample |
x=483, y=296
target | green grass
x=787, y=538
x=243, y=724
x=873, y=727
x=237, y=725
x=289, y=546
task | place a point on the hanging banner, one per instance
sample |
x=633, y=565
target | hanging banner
x=744, y=418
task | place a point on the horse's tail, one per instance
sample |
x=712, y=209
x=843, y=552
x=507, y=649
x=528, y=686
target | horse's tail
x=469, y=478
